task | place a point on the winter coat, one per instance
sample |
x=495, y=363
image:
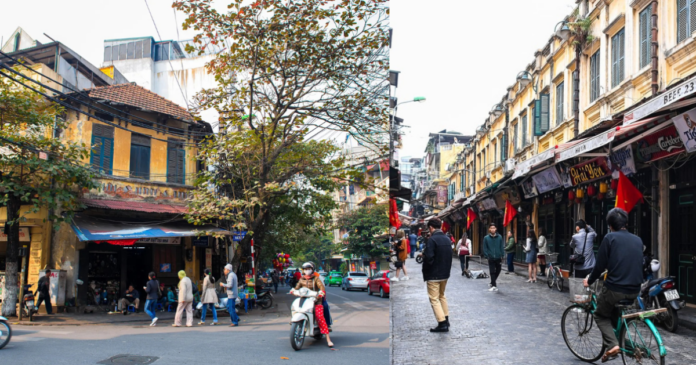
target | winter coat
x=437, y=264
x=493, y=247
x=401, y=249
x=231, y=285
x=577, y=246
x=510, y=248
x=208, y=293
x=185, y=290
x=152, y=290
x=314, y=284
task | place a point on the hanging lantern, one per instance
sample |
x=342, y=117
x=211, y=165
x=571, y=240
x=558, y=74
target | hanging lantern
x=614, y=184
x=591, y=190
x=603, y=188
x=579, y=194
x=571, y=194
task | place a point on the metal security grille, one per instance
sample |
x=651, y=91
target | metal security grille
x=645, y=32
x=594, y=76
x=617, y=58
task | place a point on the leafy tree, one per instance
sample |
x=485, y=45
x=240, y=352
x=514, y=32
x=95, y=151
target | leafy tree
x=363, y=225
x=292, y=68
x=37, y=169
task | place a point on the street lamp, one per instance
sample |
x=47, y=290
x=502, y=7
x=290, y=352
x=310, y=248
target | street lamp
x=496, y=111
x=524, y=78
x=562, y=30
x=417, y=99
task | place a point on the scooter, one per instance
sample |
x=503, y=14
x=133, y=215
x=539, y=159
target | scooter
x=661, y=293
x=28, y=303
x=5, y=332
x=302, y=322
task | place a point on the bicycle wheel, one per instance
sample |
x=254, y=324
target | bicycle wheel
x=581, y=334
x=639, y=344
x=559, y=279
x=551, y=278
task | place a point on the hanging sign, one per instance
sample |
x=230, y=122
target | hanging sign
x=373, y=265
x=547, y=180
x=564, y=175
x=487, y=204
x=660, y=145
x=238, y=235
x=623, y=160
x=511, y=194
x=686, y=126
x=528, y=189
x=441, y=194
x=23, y=235
x=160, y=240
x=208, y=257
x=587, y=146
x=526, y=165
x=684, y=89
x=200, y=241
x=589, y=171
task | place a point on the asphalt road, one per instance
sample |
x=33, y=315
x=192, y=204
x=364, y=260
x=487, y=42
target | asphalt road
x=360, y=334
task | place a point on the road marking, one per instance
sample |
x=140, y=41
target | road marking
x=27, y=339
x=56, y=332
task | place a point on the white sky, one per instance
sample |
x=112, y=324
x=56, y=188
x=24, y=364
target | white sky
x=462, y=56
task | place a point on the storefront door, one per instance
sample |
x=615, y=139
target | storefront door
x=683, y=242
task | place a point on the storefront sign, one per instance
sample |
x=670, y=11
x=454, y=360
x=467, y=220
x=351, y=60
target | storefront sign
x=441, y=194
x=547, y=180
x=165, y=268
x=23, y=235
x=564, y=175
x=200, y=241
x=589, y=171
x=373, y=265
x=528, y=189
x=623, y=160
x=135, y=191
x=684, y=89
x=525, y=166
x=587, y=146
x=487, y=204
x=558, y=196
x=209, y=258
x=511, y=194
x=686, y=125
x=660, y=145
x=238, y=235
x=161, y=240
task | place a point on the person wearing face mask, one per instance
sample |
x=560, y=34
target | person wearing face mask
x=312, y=282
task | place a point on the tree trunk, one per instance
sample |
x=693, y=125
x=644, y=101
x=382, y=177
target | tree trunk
x=9, y=303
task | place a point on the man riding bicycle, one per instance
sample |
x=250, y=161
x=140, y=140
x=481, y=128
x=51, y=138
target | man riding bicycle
x=621, y=254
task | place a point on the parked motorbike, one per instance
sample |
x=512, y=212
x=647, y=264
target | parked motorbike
x=5, y=332
x=28, y=303
x=302, y=322
x=264, y=298
x=661, y=293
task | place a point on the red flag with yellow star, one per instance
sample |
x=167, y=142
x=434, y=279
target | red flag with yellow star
x=627, y=195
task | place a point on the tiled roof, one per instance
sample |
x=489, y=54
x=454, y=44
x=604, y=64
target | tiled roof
x=140, y=97
x=136, y=206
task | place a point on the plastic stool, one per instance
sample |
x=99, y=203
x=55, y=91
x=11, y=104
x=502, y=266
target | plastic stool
x=131, y=308
x=169, y=308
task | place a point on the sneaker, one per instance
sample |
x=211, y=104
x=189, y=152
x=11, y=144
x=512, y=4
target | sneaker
x=404, y=278
x=154, y=322
x=495, y=288
x=201, y=323
x=214, y=324
x=394, y=279
x=490, y=285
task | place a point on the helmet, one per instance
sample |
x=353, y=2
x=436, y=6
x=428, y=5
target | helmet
x=655, y=265
x=308, y=265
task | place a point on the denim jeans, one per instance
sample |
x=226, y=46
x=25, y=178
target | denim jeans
x=203, y=310
x=464, y=262
x=230, y=308
x=413, y=250
x=150, y=306
x=511, y=266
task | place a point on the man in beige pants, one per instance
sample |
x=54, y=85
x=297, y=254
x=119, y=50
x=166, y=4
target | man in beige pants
x=437, y=265
x=185, y=301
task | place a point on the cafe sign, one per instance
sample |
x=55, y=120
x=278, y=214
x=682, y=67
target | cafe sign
x=136, y=191
x=589, y=171
x=659, y=145
x=686, y=126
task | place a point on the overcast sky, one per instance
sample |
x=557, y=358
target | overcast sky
x=462, y=56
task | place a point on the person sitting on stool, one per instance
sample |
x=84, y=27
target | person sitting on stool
x=130, y=297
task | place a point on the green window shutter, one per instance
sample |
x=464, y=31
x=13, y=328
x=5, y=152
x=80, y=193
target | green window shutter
x=559, y=103
x=503, y=143
x=594, y=76
x=524, y=130
x=544, y=115
x=536, y=114
x=108, y=156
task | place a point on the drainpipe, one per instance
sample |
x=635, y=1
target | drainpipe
x=576, y=92
x=505, y=135
x=653, y=50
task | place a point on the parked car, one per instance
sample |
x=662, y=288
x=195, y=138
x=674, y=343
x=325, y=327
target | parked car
x=333, y=279
x=379, y=283
x=355, y=280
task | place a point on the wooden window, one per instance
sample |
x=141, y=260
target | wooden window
x=617, y=58
x=645, y=35
x=140, y=157
x=524, y=131
x=559, y=103
x=102, y=155
x=176, y=162
x=686, y=22
x=514, y=137
x=594, y=76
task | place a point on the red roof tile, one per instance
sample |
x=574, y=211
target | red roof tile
x=137, y=206
x=139, y=97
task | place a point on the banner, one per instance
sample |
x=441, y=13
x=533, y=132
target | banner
x=659, y=145
x=528, y=189
x=686, y=126
x=24, y=235
x=588, y=171
x=622, y=160
x=511, y=194
x=441, y=194
x=161, y=240
x=547, y=180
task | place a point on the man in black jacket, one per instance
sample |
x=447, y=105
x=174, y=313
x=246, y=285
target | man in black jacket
x=44, y=292
x=621, y=254
x=436, y=270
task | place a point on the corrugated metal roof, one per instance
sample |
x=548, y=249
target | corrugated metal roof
x=137, y=206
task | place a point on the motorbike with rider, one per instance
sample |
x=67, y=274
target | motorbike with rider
x=314, y=284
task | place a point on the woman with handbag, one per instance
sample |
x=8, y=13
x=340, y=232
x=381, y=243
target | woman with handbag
x=464, y=250
x=531, y=249
x=208, y=297
x=402, y=255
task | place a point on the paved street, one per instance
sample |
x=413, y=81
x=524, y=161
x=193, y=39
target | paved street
x=360, y=334
x=520, y=324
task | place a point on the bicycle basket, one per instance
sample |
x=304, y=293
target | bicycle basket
x=578, y=292
x=551, y=257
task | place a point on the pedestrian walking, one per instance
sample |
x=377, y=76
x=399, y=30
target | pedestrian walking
x=413, y=242
x=510, y=252
x=464, y=250
x=543, y=251
x=494, y=250
x=208, y=298
x=153, y=292
x=400, y=246
x=185, y=301
x=437, y=265
x=232, y=290
x=621, y=254
x=531, y=250
x=275, y=280
x=44, y=290
x=583, y=258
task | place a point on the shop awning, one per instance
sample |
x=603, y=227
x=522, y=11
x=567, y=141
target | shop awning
x=137, y=206
x=89, y=228
x=670, y=99
x=523, y=167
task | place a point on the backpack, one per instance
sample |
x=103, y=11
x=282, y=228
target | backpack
x=194, y=288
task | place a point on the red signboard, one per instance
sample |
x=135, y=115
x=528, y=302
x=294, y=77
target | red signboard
x=659, y=145
x=373, y=265
x=591, y=170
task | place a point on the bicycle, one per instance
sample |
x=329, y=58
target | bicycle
x=553, y=274
x=639, y=340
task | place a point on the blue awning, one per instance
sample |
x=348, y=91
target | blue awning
x=89, y=228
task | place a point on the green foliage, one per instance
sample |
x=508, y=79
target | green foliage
x=581, y=29
x=343, y=268
x=363, y=225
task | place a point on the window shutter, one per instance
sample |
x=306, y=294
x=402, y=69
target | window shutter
x=544, y=101
x=503, y=142
x=514, y=138
x=181, y=160
x=108, y=156
x=536, y=114
x=622, y=48
x=171, y=164
x=692, y=18
x=524, y=130
x=645, y=35
x=559, y=103
x=97, y=146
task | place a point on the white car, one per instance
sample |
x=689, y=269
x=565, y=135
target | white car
x=355, y=280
